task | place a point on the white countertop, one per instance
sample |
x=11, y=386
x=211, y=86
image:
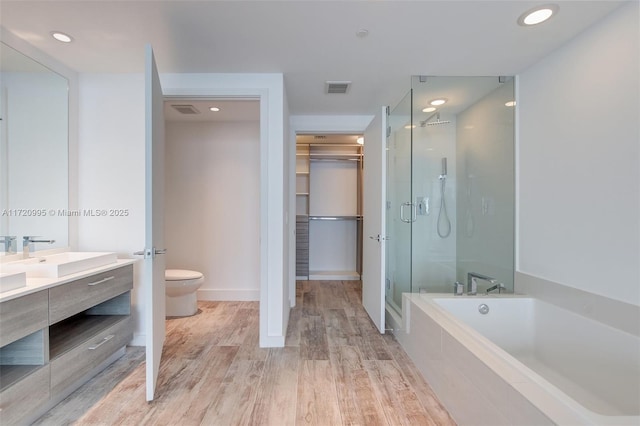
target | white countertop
x=37, y=284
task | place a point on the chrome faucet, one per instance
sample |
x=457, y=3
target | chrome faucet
x=472, y=284
x=497, y=286
x=28, y=244
x=9, y=243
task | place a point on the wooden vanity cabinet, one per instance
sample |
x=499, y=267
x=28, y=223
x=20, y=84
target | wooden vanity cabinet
x=54, y=340
x=24, y=372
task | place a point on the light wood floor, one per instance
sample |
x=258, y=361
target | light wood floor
x=335, y=369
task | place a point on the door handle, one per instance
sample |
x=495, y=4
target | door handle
x=150, y=253
x=413, y=212
x=102, y=342
x=104, y=280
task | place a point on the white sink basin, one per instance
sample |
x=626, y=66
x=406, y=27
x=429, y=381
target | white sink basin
x=59, y=265
x=12, y=280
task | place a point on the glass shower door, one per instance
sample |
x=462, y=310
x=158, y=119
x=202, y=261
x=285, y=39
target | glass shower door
x=400, y=209
x=450, y=185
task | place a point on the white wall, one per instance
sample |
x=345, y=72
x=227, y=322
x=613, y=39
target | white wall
x=111, y=171
x=212, y=214
x=579, y=184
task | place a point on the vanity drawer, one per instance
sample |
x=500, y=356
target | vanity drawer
x=23, y=316
x=18, y=401
x=74, y=364
x=68, y=299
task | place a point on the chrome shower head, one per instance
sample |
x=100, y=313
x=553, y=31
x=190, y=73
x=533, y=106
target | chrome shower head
x=437, y=121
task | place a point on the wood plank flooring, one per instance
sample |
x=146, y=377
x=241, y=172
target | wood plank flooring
x=335, y=369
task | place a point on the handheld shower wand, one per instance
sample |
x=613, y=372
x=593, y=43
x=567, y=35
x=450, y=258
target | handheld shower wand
x=443, y=224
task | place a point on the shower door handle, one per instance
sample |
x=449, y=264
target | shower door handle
x=413, y=212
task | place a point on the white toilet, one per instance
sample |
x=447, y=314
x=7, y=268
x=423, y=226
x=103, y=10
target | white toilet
x=180, y=290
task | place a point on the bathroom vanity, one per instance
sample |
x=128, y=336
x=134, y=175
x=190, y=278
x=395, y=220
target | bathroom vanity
x=57, y=333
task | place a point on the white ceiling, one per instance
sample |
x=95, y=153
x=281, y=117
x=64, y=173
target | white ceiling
x=309, y=41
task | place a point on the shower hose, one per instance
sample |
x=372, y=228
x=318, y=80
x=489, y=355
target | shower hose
x=444, y=224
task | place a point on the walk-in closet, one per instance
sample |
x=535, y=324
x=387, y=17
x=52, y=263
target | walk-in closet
x=329, y=207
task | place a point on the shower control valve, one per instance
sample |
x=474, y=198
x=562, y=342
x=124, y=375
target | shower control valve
x=422, y=206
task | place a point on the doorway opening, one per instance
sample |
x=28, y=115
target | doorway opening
x=212, y=194
x=329, y=214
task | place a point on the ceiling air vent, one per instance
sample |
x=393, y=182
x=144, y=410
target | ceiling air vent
x=337, y=86
x=319, y=137
x=185, y=109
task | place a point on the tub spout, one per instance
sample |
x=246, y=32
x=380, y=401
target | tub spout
x=472, y=282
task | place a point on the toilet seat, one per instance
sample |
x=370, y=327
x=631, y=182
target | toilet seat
x=181, y=275
x=180, y=287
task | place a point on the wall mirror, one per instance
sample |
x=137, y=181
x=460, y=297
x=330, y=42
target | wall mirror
x=34, y=133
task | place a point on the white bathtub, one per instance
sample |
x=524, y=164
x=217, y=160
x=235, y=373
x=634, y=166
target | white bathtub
x=524, y=362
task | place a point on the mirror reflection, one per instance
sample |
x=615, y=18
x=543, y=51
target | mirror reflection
x=33, y=153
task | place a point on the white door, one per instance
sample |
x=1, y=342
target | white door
x=154, y=261
x=373, y=259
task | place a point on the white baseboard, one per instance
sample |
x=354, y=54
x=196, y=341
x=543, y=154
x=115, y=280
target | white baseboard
x=138, y=340
x=334, y=275
x=229, y=295
x=272, y=341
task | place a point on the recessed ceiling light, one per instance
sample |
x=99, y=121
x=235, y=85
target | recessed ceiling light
x=409, y=126
x=214, y=109
x=440, y=101
x=362, y=33
x=537, y=15
x=60, y=36
x=510, y=103
x=360, y=140
x=429, y=109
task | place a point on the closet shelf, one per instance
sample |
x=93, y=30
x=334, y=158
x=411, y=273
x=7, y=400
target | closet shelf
x=335, y=145
x=334, y=156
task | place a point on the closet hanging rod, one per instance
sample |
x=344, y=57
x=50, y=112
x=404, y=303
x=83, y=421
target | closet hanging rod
x=334, y=159
x=335, y=217
x=333, y=145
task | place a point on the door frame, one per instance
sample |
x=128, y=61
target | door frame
x=269, y=90
x=352, y=124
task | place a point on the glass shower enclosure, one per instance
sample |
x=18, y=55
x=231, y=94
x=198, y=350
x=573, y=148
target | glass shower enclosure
x=450, y=185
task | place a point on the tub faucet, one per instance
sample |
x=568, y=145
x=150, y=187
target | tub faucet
x=472, y=284
x=9, y=243
x=28, y=244
x=497, y=286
